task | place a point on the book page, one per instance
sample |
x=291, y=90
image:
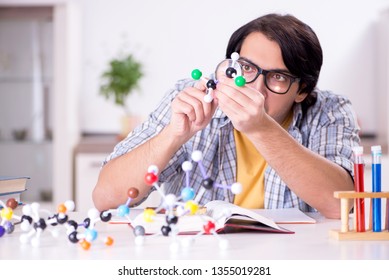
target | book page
x=269, y=217
x=286, y=216
x=218, y=208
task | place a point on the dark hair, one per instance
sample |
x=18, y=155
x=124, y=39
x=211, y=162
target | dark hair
x=300, y=47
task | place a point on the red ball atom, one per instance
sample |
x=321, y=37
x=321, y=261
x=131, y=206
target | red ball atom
x=151, y=178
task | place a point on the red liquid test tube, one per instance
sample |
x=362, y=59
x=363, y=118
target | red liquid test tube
x=359, y=187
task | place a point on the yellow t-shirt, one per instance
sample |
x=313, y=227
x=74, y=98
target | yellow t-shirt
x=250, y=170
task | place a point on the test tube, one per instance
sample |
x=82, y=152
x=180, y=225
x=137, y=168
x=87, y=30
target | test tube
x=376, y=183
x=359, y=187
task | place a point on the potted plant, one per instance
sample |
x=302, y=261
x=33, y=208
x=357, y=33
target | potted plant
x=118, y=83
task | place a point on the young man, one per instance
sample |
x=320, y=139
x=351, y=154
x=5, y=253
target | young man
x=287, y=142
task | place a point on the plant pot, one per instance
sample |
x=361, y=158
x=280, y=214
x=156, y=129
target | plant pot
x=128, y=123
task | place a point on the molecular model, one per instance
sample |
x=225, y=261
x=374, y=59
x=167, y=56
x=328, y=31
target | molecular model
x=36, y=224
x=229, y=67
x=207, y=183
x=7, y=215
x=172, y=207
x=35, y=221
x=186, y=204
x=209, y=227
x=90, y=233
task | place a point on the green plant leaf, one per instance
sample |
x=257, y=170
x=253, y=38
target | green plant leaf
x=121, y=78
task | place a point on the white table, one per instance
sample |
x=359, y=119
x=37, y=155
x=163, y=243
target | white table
x=309, y=242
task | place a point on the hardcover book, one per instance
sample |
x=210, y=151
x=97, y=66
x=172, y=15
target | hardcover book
x=10, y=184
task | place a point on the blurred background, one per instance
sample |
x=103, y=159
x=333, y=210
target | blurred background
x=56, y=127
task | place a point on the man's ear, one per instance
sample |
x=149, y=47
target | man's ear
x=300, y=97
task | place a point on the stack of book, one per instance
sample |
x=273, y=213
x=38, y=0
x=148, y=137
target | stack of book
x=12, y=187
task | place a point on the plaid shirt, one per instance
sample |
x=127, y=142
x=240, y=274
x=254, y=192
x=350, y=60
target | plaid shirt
x=328, y=128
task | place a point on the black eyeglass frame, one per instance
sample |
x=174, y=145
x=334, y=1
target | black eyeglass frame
x=265, y=72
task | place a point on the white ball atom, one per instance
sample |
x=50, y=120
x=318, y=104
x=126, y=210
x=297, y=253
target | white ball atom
x=25, y=225
x=197, y=156
x=170, y=200
x=153, y=169
x=234, y=56
x=208, y=98
x=35, y=207
x=236, y=188
x=70, y=205
x=180, y=210
x=27, y=210
x=187, y=166
x=93, y=213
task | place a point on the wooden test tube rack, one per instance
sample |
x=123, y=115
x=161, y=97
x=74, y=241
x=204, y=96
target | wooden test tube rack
x=345, y=233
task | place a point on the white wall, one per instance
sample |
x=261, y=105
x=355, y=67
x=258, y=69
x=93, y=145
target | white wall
x=172, y=37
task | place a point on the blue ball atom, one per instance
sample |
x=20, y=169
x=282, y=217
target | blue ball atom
x=187, y=193
x=123, y=210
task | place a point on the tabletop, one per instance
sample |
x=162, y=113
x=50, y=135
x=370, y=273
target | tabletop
x=309, y=242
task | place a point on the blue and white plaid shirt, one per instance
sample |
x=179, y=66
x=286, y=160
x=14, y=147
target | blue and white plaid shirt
x=328, y=128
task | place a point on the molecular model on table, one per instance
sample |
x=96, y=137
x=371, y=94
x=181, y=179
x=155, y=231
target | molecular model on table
x=85, y=233
x=8, y=218
x=34, y=221
x=175, y=207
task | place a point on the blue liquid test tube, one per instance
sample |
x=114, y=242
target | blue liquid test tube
x=376, y=154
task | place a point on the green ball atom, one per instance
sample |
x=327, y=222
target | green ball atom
x=240, y=81
x=196, y=74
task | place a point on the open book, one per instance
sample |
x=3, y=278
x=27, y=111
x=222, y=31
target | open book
x=228, y=218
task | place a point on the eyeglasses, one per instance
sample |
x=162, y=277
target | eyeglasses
x=275, y=81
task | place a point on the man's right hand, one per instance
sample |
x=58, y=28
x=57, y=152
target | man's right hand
x=190, y=113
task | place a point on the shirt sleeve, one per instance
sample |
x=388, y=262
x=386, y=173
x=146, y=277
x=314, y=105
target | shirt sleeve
x=155, y=122
x=337, y=131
